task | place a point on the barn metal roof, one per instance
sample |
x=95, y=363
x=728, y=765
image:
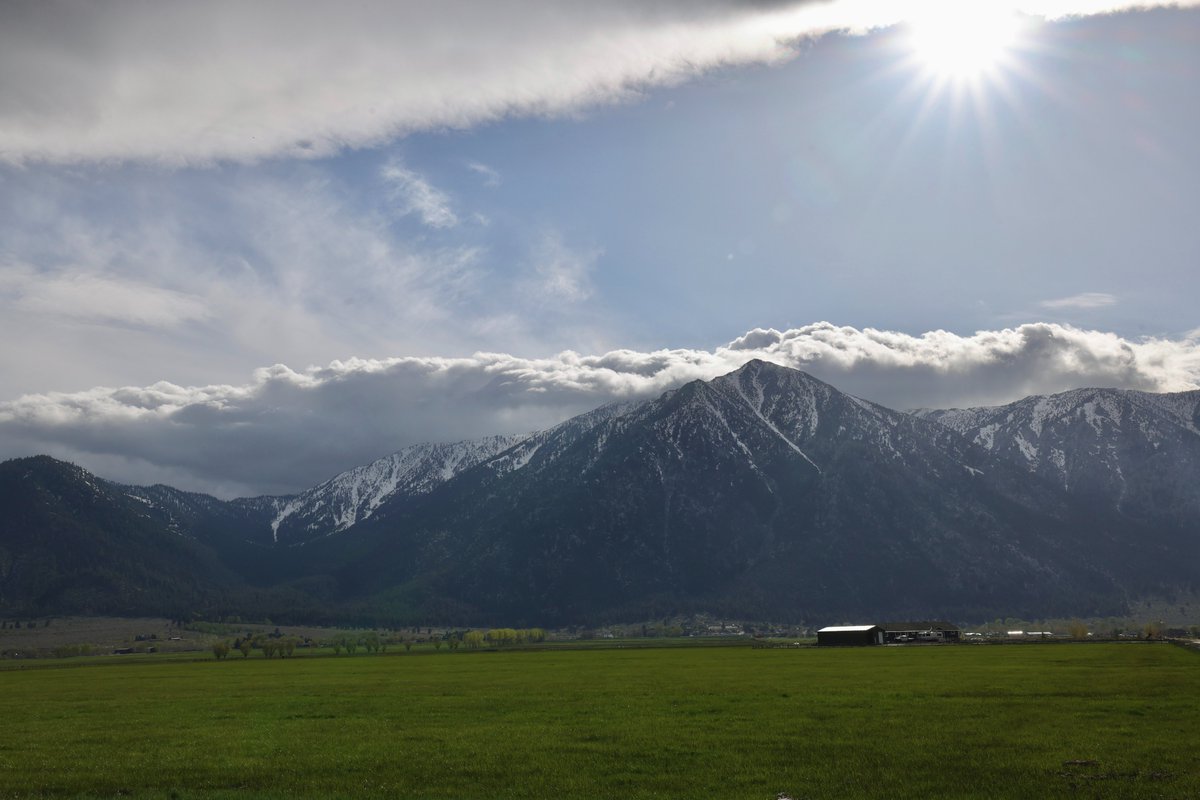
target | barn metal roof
x=847, y=628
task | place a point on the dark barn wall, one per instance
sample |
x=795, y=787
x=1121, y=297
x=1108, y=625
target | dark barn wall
x=846, y=638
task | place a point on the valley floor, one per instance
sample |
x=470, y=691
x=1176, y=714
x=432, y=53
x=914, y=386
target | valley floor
x=1108, y=720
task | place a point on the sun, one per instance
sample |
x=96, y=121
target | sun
x=962, y=41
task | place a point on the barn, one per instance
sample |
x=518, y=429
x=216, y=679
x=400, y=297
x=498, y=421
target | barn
x=850, y=635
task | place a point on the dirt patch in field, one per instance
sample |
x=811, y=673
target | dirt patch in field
x=75, y=636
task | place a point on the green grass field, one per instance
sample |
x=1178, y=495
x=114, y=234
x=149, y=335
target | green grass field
x=730, y=722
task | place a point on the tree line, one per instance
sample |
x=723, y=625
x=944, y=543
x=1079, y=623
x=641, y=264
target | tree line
x=275, y=644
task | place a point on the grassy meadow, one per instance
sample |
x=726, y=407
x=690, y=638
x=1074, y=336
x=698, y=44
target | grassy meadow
x=1086, y=720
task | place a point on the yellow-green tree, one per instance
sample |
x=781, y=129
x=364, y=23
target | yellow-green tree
x=502, y=636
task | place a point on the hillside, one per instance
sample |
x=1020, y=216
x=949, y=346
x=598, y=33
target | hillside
x=764, y=493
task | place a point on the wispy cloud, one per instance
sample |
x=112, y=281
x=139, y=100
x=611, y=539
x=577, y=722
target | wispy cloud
x=1085, y=300
x=286, y=429
x=182, y=82
x=98, y=298
x=491, y=177
x=415, y=195
x=561, y=273
x=230, y=268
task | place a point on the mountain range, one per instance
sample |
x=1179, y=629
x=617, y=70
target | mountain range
x=763, y=494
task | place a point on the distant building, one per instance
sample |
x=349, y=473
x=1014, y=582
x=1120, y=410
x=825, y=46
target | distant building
x=850, y=635
x=890, y=633
x=920, y=631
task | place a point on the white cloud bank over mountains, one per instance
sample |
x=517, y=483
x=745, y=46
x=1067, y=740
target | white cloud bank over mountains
x=188, y=83
x=288, y=429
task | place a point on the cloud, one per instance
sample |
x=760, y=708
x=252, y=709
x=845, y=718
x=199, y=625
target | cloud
x=491, y=178
x=415, y=195
x=98, y=298
x=1085, y=300
x=287, y=429
x=206, y=274
x=180, y=82
x=560, y=273
x=943, y=369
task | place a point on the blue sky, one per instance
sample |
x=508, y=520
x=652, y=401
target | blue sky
x=219, y=219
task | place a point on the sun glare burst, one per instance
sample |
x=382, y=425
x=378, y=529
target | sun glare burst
x=962, y=41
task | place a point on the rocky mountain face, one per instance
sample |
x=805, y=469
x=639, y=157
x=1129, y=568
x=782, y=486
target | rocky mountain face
x=353, y=496
x=1132, y=453
x=350, y=497
x=328, y=508
x=764, y=493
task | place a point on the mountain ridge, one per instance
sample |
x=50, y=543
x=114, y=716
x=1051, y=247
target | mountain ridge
x=764, y=492
x=1136, y=453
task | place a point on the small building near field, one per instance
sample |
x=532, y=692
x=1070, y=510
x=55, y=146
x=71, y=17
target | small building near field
x=850, y=635
x=920, y=631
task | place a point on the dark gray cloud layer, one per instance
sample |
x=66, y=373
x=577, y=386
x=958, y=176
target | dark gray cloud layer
x=287, y=429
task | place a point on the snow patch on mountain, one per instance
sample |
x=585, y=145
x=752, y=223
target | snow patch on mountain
x=552, y=441
x=1109, y=444
x=354, y=495
x=1027, y=449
